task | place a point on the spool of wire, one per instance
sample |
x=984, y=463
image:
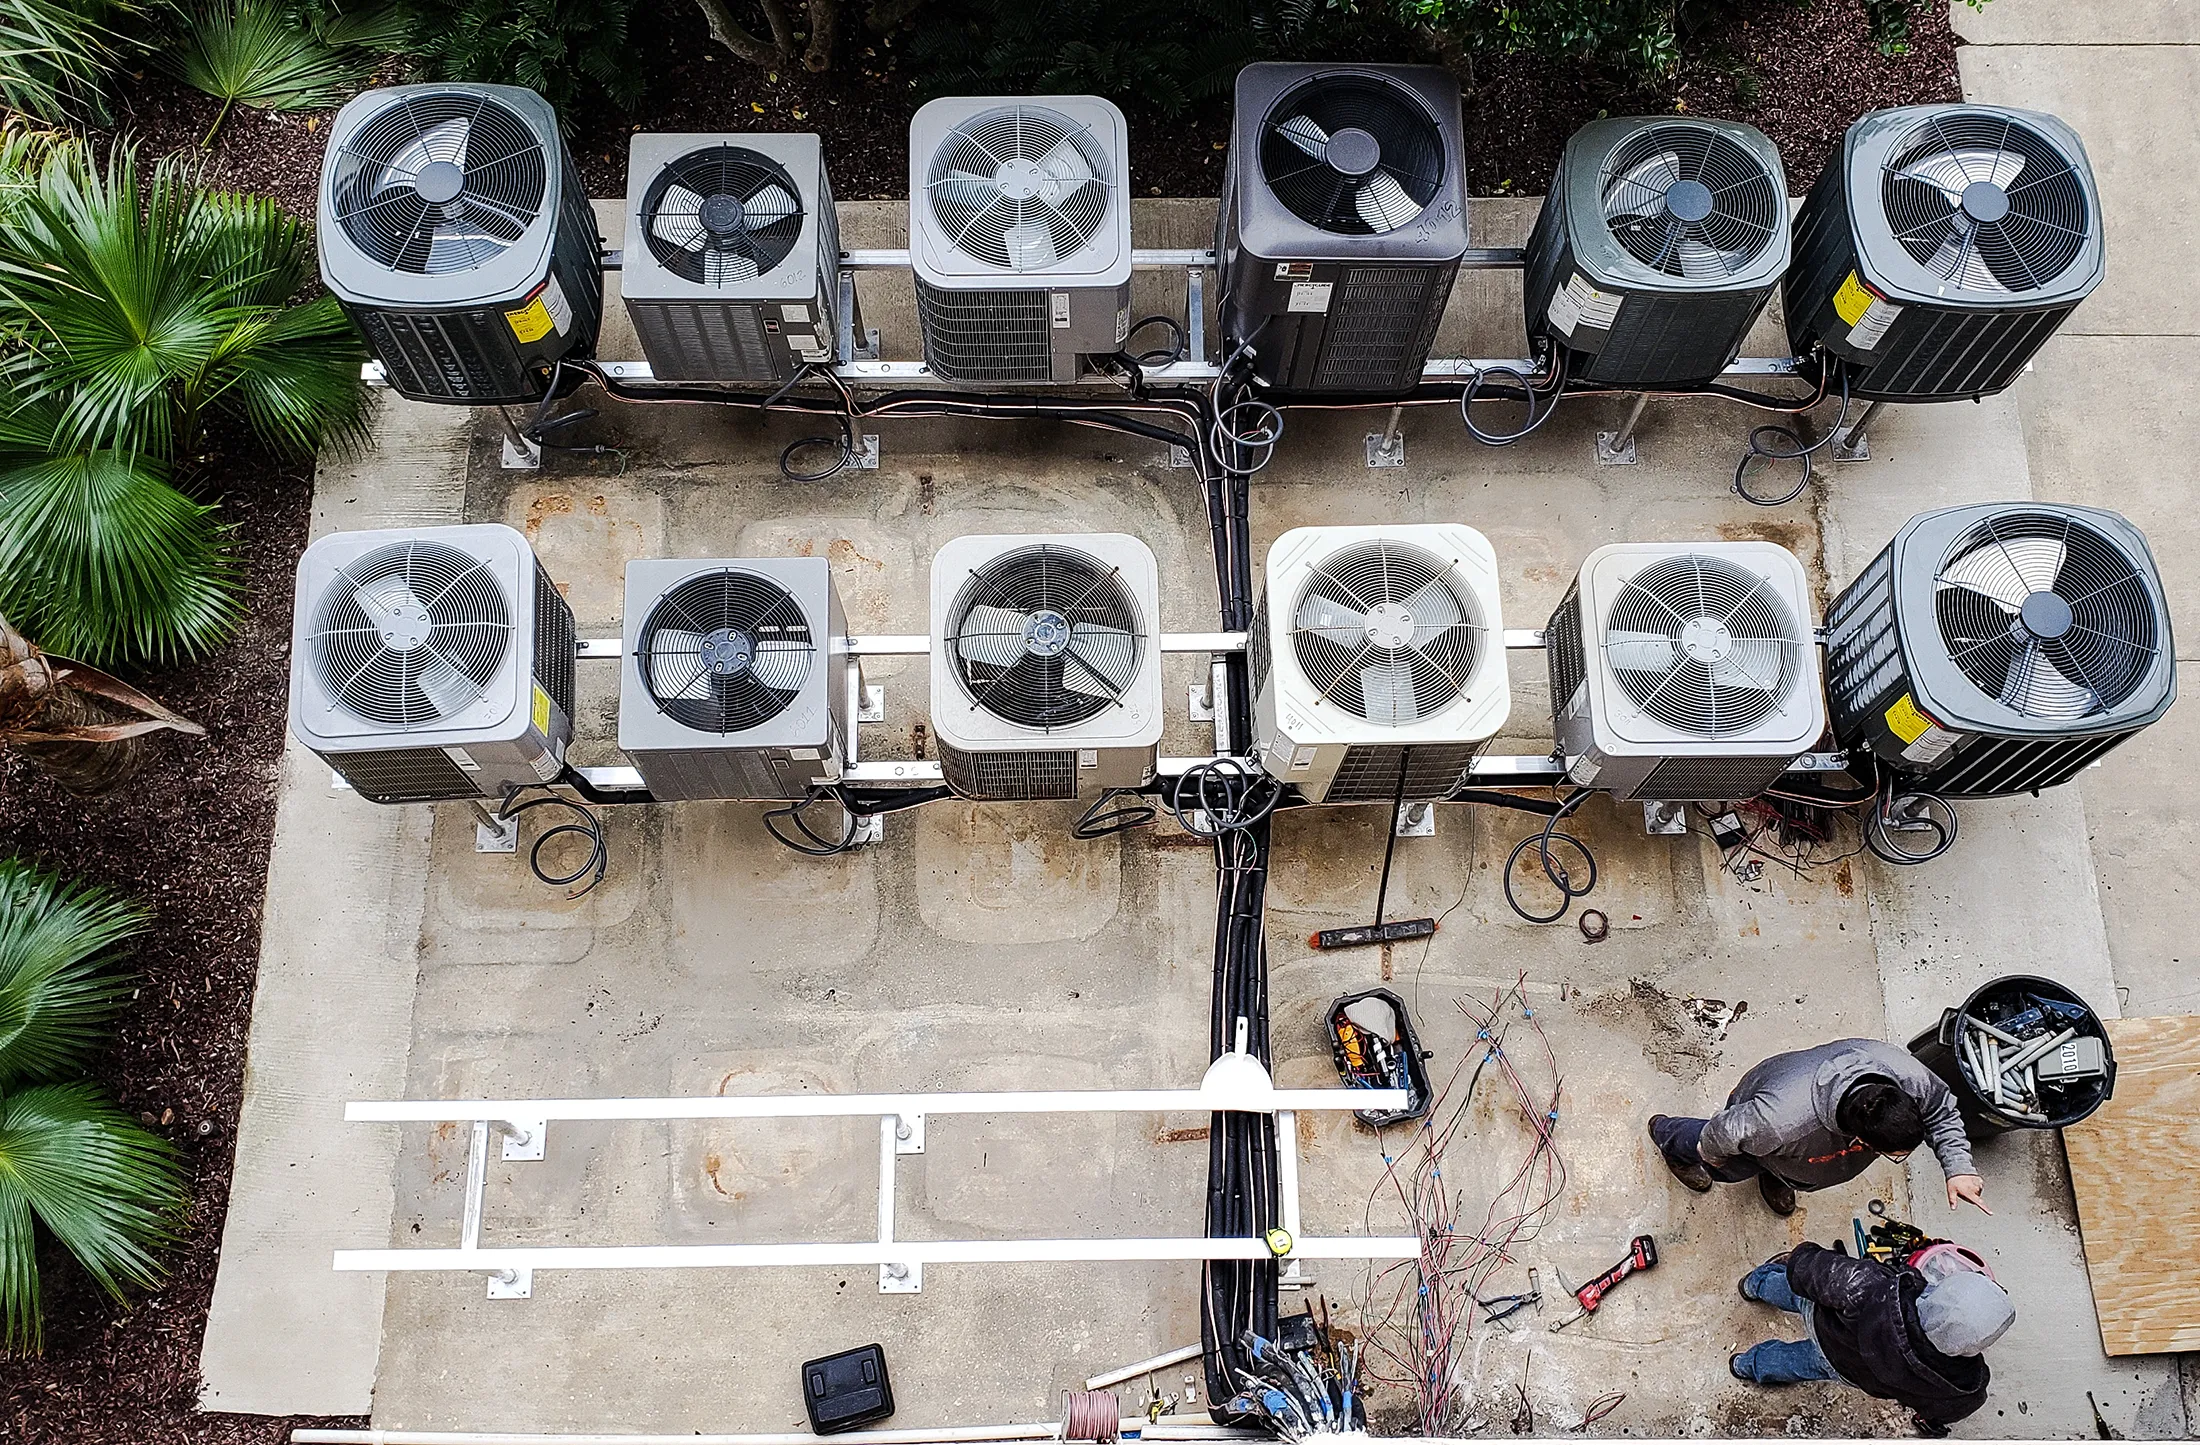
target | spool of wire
x=1091, y=1415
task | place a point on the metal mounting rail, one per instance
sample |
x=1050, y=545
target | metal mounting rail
x=1234, y=1083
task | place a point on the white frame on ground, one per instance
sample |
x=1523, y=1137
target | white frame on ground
x=1234, y=1083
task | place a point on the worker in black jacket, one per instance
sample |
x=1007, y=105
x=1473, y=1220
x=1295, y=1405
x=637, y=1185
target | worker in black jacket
x=1882, y=1327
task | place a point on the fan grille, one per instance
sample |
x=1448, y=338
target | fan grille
x=412, y=634
x=2047, y=615
x=1354, y=156
x=1387, y=631
x=725, y=651
x=439, y=182
x=1020, y=186
x=1687, y=200
x=1046, y=636
x=1703, y=644
x=722, y=215
x=1986, y=202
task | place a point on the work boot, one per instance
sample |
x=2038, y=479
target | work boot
x=1779, y=1197
x=1695, y=1176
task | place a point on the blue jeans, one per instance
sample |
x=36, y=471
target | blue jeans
x=1781, y=1362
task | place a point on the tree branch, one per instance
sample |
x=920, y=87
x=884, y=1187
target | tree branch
x=730, y=33
x=824, y=17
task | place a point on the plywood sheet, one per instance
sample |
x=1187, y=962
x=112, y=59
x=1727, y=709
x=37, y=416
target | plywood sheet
x=2135, y=1167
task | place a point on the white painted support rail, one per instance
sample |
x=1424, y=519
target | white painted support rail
x=1234, y=1083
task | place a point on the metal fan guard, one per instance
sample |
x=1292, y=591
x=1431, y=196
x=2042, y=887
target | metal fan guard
x=1072, y=585
x=996, y=153
x=712, y=171
x=1736, y=208
x=2039, y=236
x=1711, y=609
x=392, y=672
x=1377, y=579
x=738, y=619
x=2105, y=637
x=1410, y=140
x=383, y=205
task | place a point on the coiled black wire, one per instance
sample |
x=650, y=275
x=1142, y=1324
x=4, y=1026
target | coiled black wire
x=855, y=805
x=1794, y=449
x=1527, y=393
x=589, y=826
x=1225, y=794
x=1107, y=816
x=1915, y=810
x=1559, y=875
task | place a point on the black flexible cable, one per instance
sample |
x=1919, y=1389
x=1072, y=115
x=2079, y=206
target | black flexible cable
x=1390, y=844
x=1107, y=816
x=1527, y=393
x=1559, y=875
x=590, y=827
x=1797, y=450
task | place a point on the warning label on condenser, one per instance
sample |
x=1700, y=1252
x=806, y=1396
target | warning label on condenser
x=1923, y=740
x=1867, y=314
x=546, y=311
x=1578, y=304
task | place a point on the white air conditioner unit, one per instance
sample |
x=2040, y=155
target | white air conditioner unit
x=1377, y=654
x=431, y=663
x=1685, y=671
x=1019, y=234
x=1046, y=664
x=732, y=266
x=735, y=681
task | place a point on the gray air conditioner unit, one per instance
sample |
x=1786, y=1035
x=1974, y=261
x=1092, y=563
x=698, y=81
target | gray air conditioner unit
x=431, y=663
x=1019, y=234
x=732, y=269
x=2000, y=648
x=456, y=234
x=735, y=682
x=1377, y=653
x=1046, y=664
x=1942, y=245
x=1659, y=245
x=1685, y=671
x=1344, y=217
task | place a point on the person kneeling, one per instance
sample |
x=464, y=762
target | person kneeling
x=1881, y=1327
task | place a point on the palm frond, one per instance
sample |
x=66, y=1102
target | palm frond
x=54, y=58
x=254, y=52
x=109, y=1191
x=100, y=556
x=57, y=987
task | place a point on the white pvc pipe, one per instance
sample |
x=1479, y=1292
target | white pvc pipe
x=936, y=1435
x=1229, y=1098
x=1145, y=1367
x=864, y=1252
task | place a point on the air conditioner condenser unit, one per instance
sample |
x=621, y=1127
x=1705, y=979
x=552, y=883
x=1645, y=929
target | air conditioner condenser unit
x=431, y=663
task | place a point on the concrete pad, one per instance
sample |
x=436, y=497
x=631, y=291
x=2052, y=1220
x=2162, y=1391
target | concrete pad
x=2061, y=22
x=2129, y=104
x=2144, y=827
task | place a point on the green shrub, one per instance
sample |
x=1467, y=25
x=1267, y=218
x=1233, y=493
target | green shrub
x=133, y=314
x=70, y=1162
x=558, y=48
x=262, y=54
x=54, y=58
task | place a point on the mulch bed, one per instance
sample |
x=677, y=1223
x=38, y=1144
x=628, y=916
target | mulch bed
x=188, y=837
x=191, y=835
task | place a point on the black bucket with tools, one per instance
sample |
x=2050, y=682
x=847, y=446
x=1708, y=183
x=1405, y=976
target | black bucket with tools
x=2022, y=1053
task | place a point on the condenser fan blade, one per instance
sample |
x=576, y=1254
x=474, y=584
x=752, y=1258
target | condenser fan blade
x=1387, y=687
x=1333, y=620
x=676, y=669
x=960, y=192
x=1099, y=660
x=445, y=142
x=388, y=600
x=1435, y=610
x=449, y=691
x=772, y=203
x=991, y=635
x=1700, y=262
x=1030, y=246
x=1958, y=260
x=675, y=223
x=2007, y=572
x=782, y=665
x=1752, y=662
x=1951, y=171
x=1307, y=136
x=2035, y=685
x=1641, y=651
x=1383, y=203
x=1640, y=189
x=722, y=267
x=1066, y=166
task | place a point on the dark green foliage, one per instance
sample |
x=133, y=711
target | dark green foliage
x=54, y=58
x=1162, y=55
x=562, y=49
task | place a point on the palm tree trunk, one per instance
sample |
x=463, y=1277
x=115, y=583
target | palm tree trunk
x=84, y=768
x=79, y=726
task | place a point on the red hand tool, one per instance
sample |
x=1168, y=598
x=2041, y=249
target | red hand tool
x=1642, y=1254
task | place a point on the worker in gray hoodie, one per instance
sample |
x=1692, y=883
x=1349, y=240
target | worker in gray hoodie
x=1819, y=1117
